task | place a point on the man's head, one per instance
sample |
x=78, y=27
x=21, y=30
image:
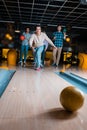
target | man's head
x=38, y=29
x=27, y=29
x=59, y=28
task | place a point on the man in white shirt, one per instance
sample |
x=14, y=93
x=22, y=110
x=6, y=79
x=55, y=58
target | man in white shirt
x=38, y=39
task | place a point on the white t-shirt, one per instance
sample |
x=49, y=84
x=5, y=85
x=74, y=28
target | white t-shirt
x=39, y=40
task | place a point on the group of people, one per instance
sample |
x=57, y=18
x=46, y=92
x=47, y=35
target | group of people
x=38, y=42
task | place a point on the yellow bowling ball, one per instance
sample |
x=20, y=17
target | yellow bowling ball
x=10, y=38
x=71, y=98
x=62, y=71
x=7, y=35
x=67, y=39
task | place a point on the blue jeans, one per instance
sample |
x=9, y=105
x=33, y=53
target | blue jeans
x=34, y=53
x=24, y=51
x=43, y=54
x=37, y=56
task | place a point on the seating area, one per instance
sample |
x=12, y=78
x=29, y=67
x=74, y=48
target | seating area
x=68, y=59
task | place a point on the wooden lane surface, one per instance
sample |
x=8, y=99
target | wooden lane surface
x=31, y=102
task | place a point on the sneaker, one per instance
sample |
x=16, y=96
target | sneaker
x=56, y=67
x=42, y=66
x=24, y=64
x=34, y=64
x=21, y=63
x=54, y=64
x=37, y=68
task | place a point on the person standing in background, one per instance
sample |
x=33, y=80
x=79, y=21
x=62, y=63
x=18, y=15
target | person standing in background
x=24, y=46
x=58, y=38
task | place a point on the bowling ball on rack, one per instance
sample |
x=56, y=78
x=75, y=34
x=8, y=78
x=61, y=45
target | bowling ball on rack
x=67, y=39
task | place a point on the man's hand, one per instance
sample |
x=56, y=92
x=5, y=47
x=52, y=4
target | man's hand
x=54, y=47
x=54, y=38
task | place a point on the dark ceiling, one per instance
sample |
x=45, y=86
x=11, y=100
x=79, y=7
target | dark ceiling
x=44, y=12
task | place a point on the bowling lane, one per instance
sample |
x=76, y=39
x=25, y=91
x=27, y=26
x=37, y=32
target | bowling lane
x=76, y=80
x=31, y=101
x=81, y=73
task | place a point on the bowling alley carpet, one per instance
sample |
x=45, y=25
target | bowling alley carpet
x=75, y=80
x=5, y=77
